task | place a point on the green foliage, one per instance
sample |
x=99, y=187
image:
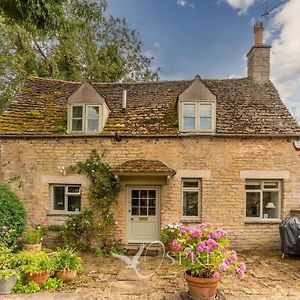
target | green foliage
x=8, y=238
x=22, y=286
x=67, y=260
x=12, y=212
x=33, y=14
x=33, y=261
x=109, y=251
x=103, y=190
x=87, y=45
x=52, y=284
x=6, y=262
x=169, y=233
x=78, y=231
x=33, y=235
x=61, y=129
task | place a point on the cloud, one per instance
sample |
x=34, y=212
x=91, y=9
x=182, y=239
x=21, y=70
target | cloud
x=241, y=5
x=285, y=55
x=184, y=3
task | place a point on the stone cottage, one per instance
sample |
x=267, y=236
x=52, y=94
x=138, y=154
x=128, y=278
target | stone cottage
x=184, y=151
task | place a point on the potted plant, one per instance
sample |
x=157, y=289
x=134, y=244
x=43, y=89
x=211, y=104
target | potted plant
x=66, y=264
x=8, y=276
x=168, y=234
x=204, y=250
x=32, y=240
x=35, y=265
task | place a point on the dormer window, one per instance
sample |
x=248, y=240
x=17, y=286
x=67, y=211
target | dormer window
x=85, y=118
x=87, y=111
x=197, y=108
x=198, y=116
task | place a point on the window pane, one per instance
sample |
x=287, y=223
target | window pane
x=190, y=203
x=135, y=202
x=205, y=110
x=76, y=125
x=143, y=211
x=58, y=198
x=151, y=211
x=271, y=185
x=143, y=194
x=135, y=211
x=152, y=202
x=77, y=112
x=189, y=123
x=252, y=204
x=189, y=110
x=193, y=184
x=93, y=125
x=93, y=112
x=74, y=189
x=271, y=204
x=74, y=203
x=253, y=185
x=135, y=194
x=152, y=194
x=205, y=123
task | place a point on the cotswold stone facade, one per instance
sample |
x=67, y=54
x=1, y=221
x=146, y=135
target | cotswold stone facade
x=202, y=150
x=218, y=161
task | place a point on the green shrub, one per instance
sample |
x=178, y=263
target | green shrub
x=67, y=260
x=109, y=251
x=12, y=211
x=79, y=231
x=33, y=235
x=52, y=284
x=22, y=286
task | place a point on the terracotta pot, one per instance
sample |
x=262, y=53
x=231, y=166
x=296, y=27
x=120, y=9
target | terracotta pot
x=202, y=288
x=32, y=247
x=66, y=276
x=6, y=285
x=38, y=277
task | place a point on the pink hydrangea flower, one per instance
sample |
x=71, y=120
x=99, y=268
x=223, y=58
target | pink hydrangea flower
x=242, y=267
x=222, y=267
x=196, y=233
x=216, y=275
x=240, y=273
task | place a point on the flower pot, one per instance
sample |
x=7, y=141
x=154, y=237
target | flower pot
x=38, y=277
x=202, y=288
x=6, y=285
x=66, y=276
x=32, y=247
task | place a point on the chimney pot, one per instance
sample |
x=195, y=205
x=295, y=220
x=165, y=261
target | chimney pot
x=124, y=99
x=258, y=33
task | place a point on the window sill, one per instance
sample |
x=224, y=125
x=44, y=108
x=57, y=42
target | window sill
x=190, y=221
x=263, y=221
x=62, y=214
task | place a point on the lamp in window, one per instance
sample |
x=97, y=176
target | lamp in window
x=269, y=206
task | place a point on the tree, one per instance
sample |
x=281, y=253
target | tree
x=87, y=45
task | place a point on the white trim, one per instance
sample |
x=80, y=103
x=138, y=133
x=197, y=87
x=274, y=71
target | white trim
x=66, y=195
x=191, y=189
x=262, y=174
x=260, y=191
x=197, y=104
x=70, y=111
x=99, y=118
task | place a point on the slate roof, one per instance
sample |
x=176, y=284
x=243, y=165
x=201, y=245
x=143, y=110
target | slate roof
x=145, y=166
x=243, y=107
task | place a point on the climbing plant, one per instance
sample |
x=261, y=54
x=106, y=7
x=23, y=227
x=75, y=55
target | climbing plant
x=103, y=190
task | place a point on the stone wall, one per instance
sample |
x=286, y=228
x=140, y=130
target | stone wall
x=220, y=160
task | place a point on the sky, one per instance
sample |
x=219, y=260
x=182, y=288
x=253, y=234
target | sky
x=212, y=37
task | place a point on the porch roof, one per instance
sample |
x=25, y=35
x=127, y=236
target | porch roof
x=143, y=167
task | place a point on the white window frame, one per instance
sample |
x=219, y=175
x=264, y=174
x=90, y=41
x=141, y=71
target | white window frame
x=71, y=118
x=197, y=116
x=65, y=211
x=85, y=118
x=261, y=190
x=191, y=189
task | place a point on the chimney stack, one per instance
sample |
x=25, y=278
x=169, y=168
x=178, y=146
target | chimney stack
x=259, y=57
x=124, y=99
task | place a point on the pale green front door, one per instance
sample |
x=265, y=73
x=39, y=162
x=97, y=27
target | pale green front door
x=143, y=214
